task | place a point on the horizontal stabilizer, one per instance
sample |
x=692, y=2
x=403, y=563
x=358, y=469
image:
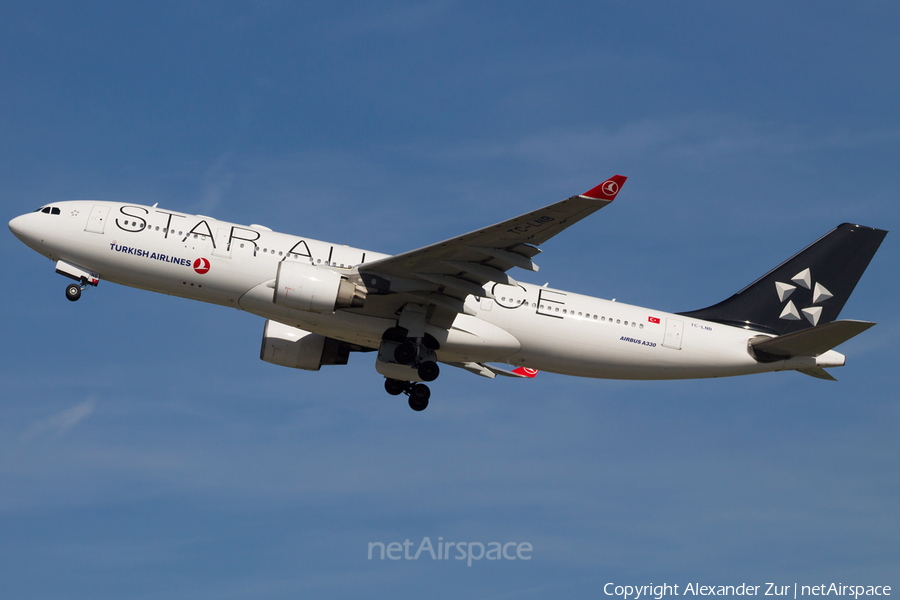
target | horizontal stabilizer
x=810, y=342
x=818, y=373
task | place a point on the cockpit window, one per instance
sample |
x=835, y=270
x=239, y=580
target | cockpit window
x=54, y=211
x=46, y=210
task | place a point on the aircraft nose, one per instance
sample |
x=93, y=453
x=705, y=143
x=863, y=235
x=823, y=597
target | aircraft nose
x=17, y=226
x=25, y=228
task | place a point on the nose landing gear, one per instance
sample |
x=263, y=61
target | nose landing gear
x=73, y=291
x=82, y=276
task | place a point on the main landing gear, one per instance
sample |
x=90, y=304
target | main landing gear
x=418, y=392
x=406, y=362
x=420, y=358
x=408, y=354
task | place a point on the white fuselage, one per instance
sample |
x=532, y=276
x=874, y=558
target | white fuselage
x=526, y=325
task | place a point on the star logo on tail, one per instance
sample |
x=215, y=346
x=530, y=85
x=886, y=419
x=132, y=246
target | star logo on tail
x=803, y=280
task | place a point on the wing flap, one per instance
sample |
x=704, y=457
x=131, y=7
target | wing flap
x=513, y=258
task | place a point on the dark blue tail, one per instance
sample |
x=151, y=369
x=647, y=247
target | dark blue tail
x=808, y=289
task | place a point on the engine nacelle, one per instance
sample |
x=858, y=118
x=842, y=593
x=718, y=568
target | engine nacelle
x=291, y=347
x=315, y=289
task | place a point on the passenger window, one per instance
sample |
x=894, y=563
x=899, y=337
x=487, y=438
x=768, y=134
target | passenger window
x=579, y=314
x=595, y=317
x=641, y=326
x=618, y=321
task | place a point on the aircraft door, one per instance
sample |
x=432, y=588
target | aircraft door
x=674, y=332
x=222, y=248
x=97, y=219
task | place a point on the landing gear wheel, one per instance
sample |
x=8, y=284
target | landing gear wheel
x=405, y=353
x=73, y=292
x=429, y=371
x=418, y=397
x=394, y=387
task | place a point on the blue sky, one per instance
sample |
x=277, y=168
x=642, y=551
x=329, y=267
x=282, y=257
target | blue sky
x=146, y=451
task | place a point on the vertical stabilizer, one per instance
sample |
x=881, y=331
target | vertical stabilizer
x=808, y=289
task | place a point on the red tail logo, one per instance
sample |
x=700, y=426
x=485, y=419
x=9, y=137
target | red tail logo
x=526, y=372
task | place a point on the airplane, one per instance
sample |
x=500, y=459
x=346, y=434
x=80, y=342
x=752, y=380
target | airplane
x=454, y=302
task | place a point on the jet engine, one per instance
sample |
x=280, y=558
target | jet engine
x=315, y=289
x=291, y=347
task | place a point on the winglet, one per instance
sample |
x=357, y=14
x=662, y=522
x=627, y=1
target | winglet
x=608, y=189
x=525, y=372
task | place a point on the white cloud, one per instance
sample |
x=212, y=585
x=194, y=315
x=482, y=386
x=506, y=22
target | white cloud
x=60, y=423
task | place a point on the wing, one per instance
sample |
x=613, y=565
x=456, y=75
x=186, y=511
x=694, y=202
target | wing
x=444, y=274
